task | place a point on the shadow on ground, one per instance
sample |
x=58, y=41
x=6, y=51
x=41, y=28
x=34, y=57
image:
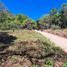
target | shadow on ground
x=5, y=38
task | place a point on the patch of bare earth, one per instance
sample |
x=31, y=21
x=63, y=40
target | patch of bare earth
x=61, y=33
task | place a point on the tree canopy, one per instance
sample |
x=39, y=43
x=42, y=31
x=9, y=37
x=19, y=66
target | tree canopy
x=55, y=19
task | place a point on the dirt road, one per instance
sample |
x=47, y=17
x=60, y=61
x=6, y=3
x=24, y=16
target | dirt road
x=59, y=41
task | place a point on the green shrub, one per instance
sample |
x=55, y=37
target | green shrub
x=49, y=62
x=64, y=65
x=55, y=27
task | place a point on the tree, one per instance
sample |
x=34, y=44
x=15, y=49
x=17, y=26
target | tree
x=3, y=17
x=29, y=24
x=51, y=19
x=20, y=18
x=63, y=14
x=53, y=15
x=53, y=12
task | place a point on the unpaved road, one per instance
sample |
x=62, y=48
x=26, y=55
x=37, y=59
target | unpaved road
x=59, y=41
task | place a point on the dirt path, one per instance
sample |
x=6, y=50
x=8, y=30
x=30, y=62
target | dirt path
x=59, y=41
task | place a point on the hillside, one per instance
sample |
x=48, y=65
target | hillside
x=29, y=49
x=22, y=45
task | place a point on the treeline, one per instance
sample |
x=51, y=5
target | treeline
x=55, y=20
x=9, y=21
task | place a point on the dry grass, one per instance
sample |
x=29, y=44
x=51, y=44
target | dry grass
x=28, y=35
x=34, y=48
x=59, y=32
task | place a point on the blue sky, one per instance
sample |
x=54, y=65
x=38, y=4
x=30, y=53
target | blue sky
x=32, y=8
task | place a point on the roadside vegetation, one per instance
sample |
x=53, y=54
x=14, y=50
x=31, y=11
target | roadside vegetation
x=59, y=32
x=30, y=49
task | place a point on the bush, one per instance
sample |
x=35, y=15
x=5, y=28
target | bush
x=64, y=65
x=49, y=62
x=55, y=27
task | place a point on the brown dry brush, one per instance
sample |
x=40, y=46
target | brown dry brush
x=23, y=53
x=56, y=55
x=5, y=55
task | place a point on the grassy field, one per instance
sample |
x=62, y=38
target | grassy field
x=28, y=48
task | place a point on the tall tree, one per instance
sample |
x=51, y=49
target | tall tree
x=63, y=14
